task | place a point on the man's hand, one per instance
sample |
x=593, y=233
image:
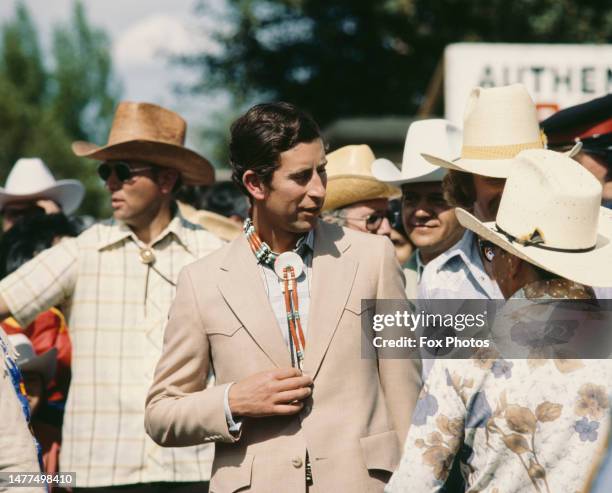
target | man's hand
x=270, y=393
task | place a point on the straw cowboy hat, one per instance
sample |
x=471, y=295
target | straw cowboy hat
x=30, y=179
x=423, y=136
x=350, y=180
x=550, y=216
x=498, y=124
x=28, y=361
x=147, y=132
x=219, y=225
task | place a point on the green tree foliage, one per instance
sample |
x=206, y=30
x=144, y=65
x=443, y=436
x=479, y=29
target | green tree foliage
x=44, y=107
x=363, y=57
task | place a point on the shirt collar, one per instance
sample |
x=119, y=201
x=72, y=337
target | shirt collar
x=420, y=266
x=466, y=251
x=416, y=264
x=308, y=242
x=181, y=229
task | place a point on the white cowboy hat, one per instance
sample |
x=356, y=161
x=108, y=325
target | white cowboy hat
x=350, y=179
x=31, y=179
x=498, y=124
x=423, y=136
x=550, y=216
x=27, y=360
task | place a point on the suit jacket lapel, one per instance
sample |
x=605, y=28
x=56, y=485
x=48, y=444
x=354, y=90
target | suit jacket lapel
x=243, y=290
x=333, y=275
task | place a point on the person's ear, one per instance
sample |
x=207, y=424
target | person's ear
x=254, y=185
x=166, y=179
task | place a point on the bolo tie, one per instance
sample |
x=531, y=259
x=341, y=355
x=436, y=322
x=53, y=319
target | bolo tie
x=288, y=266
x=147, y=257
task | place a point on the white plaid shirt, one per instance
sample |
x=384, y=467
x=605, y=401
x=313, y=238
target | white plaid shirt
x=117, y=309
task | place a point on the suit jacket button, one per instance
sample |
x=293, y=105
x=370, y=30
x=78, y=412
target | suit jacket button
x=297, y=462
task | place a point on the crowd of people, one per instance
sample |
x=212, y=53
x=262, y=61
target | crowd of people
x=209, y=337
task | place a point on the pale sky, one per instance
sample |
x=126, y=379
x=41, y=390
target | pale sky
x=141, y=32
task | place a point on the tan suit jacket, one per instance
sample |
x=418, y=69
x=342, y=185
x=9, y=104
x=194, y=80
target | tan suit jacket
x=357, y=418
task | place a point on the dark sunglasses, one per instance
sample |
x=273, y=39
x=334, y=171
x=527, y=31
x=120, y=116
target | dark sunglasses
x=123, y=171
x=487, y=249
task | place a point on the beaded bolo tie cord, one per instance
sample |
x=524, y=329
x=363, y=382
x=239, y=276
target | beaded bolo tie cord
x=286, y=266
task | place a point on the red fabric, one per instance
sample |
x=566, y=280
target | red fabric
x=580, y=132
x=49, y=330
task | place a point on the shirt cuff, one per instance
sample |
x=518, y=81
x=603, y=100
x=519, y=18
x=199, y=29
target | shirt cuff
x=233, y=426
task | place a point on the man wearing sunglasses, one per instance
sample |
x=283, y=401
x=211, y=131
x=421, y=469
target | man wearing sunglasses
x=116, y=281
x=355, y=199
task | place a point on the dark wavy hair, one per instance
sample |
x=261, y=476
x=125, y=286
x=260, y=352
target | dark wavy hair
x=29, y=236
x=458, y=188
x=265, y=131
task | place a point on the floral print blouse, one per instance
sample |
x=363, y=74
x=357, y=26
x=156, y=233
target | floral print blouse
x=517, y=425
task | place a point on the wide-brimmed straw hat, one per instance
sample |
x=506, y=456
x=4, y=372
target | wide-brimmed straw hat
x=498, y=124
x=350, y=179
x=550, y=216
x=30, y=179
x=219, y=225
x=435, y=136
x=147, y=132
x=44, y=364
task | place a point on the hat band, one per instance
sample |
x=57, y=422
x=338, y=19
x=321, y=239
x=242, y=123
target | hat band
x=538, y=243
x=498, y=152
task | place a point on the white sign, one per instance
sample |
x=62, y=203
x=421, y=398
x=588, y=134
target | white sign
x=556, y=76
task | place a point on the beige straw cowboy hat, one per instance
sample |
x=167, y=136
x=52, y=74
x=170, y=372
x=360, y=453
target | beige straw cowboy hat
x=350, y=180
x=219, y=225
x=147, y=132
x=423, y=136
x=498, y=124
x=550, y=216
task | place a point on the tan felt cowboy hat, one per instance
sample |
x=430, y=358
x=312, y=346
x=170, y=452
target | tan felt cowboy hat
x=350, y=179
x=423, y=136
x=30, y=179
x=147, y=132
x=550, y=216
x=498, y=124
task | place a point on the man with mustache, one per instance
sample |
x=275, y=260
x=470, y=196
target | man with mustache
x=115, y=283
x=277, y=313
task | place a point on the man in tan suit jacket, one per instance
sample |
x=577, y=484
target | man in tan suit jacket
x=336, y=425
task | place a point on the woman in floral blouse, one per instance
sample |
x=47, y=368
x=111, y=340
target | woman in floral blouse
x=537, y=423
